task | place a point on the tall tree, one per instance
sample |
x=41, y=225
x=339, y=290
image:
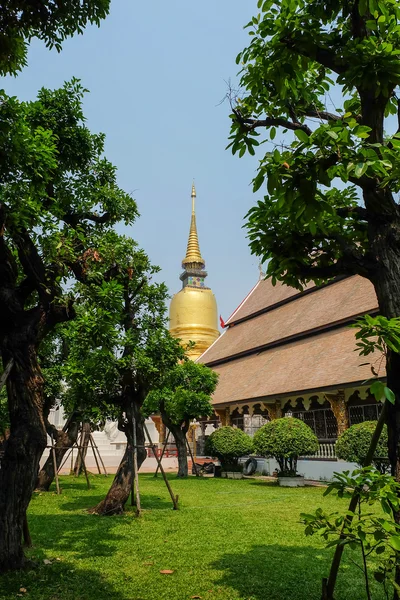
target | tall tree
x=119, y=349
x=185, y=395
x=331, y=207
x=59, y=201
x=51, y=21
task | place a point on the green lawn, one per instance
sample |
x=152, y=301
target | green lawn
x=230, y=540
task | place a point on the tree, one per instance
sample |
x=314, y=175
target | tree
x=59, y=201
x=48, y=20
x=119, y=349
x=285, y=440
x=331, y=207
x=229, y=444
x=185, y=395
x=353, y=445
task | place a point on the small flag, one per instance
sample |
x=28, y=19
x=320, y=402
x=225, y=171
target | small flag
x=222, y=322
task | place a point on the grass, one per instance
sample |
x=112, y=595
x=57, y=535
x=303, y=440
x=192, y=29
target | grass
x=230, y=540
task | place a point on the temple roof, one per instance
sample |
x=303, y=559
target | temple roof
x=281, y=341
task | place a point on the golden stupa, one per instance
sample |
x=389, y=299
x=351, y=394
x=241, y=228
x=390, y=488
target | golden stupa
x=193, y=311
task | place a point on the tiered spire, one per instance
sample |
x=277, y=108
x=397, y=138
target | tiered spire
x=193, y=256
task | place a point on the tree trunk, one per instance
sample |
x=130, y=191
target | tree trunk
x=24, y=448
x=179, y=433
x=387, y=287
x=64, y=439
x=118, y=494
x=84, y=443
x=180, y=441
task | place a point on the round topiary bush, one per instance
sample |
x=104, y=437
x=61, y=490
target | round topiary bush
x=354, y=443
x=285, y=440
x=229, y=444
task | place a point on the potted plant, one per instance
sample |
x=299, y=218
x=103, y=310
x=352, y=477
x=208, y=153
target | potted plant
x=285, y=440
x=354, y=443
x=229, y=444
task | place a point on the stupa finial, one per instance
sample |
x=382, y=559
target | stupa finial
x=193, y=254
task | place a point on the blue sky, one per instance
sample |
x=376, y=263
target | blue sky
x=157, y=73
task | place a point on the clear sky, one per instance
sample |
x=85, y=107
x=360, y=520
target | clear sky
x=157, y=73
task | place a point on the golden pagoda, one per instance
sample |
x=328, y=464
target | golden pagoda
x=193, y=311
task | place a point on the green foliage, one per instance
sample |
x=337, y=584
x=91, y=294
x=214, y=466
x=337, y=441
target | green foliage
x=118, y=345
x=353, y=445
x=229, y=444
x=185, y=393
x=321, y=162
x=285, y=440
x=375, y=536
x=49, y=20
x=377, y=333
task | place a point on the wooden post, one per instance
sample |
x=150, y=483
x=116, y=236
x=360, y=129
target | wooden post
x=80, y=454
x=135, y=468
x=328, y=587
x=171, y=493
x=53, y=452
x=163, y=450
x=191, y=456
x=94, y=453
x=98, y=452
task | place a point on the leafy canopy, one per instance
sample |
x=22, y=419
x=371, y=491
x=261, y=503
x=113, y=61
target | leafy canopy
x=331, y=173
x=59, y=202
x=119, y=346
x=287, y=438
x=185, y=393
x=51, y=21
x=229, y=444
x=353, y=445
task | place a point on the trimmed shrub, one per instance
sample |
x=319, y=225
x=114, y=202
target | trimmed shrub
x=285, y=440
x=354, y=443
x=229, y=444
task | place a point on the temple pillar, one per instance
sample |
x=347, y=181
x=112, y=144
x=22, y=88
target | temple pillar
x=339, y=409
x=223, y=415
x=274, y=410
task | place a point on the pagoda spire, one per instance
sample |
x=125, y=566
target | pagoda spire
x=193, y=258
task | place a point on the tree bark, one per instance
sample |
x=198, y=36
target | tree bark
x=179, y=433
x=118, y=494
x=180, y=441
x=24, y=448
x=64, y=440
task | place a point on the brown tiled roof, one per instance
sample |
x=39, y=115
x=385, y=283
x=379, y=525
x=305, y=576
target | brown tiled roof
x=316, y=309
x=263, y=295
x=326, y=360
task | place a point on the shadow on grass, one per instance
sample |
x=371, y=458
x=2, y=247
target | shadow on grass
x=286, y=572
x=148, y=502
x=61, y=581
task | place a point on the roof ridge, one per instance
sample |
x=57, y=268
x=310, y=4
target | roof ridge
x=243, y=301
x=280, y=303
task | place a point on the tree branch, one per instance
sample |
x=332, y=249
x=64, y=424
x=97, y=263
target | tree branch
x=32, y=264
x=322, y=114
x=304, y=46
x=354, y=212
x=252, y=124
x=73, y=219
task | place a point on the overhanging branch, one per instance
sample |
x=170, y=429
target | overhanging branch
x=252, y=124
x=303, y=45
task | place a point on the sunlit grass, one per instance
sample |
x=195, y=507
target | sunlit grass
x=230, y=540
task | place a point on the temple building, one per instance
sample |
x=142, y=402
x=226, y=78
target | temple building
x=193, y=310
x=289, y=352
